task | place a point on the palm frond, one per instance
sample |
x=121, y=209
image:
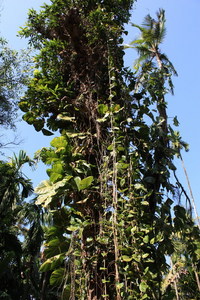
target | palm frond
x=141, y=61
x=142, y=29
x=146, y=34
x=168, y=64
x=21, y=159
x=160, y=29
x=136, y=42
x=143, y=50
x=148, y=22
x=27, y=187
x=161, y=15
x=152, y=33
x=159, y=33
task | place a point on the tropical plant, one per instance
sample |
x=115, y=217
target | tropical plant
x=20, y=236
x=14, y=70
x=109, y=196
x=153, y=63
x=10, y=81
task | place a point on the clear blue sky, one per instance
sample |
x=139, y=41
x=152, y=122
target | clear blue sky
x=181, y=46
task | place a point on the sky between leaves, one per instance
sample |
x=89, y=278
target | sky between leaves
x=181, y=46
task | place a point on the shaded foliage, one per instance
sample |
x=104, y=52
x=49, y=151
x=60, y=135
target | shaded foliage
x=20, y=232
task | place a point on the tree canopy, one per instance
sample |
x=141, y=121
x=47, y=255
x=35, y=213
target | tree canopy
x=12, y=79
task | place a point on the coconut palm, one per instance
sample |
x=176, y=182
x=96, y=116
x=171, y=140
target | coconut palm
x=154, y=72
x=153, y=63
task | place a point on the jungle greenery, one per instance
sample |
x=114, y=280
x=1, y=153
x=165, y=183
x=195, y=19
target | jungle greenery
x=110, y=217
x=20, y=232
x=14, y=72
x=10, y=82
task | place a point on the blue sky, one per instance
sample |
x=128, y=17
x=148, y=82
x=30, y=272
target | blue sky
x=181, y=46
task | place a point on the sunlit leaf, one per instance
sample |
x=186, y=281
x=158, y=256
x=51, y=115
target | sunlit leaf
x=84, y=183
x=52, y=263
x=146, y=239
x=46, y=190
x=66, y=118
x=126, y=258
x=143, y=287
x=102, y=108
x=58, y=142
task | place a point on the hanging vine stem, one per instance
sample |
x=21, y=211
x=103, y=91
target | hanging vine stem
x=104, y=180
x=114, y=219
x=72, y=268
x=182, y=190
x=112, y=84
x=196, y=276
x=190, y=189
x=195, y=212
x=174, y=281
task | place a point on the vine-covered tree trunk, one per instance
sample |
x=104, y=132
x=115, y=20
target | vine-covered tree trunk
x=109, y=193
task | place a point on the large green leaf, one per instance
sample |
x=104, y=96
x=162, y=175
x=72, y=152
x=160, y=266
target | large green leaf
x=80, y=135
x=46, y=190
x=143, y=287
x=65, y=118
x=84, y=183
x=56, y=172
x=102, y=109
x=57, y=276
x=52, y=263
x=59, y=142
x=38, y=124
x=126, y=258
x=101, y=120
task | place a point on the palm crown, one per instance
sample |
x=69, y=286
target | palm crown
x=147, y=45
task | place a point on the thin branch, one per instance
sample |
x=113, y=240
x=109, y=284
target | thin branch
x=191, y=193
x=183, y=190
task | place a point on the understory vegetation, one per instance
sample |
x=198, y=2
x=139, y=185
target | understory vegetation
x=113, y=221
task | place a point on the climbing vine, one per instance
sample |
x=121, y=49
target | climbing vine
x=109, y=196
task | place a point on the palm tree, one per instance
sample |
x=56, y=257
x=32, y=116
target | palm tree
x=153, y=76
x=154, y=64
x=14, y=188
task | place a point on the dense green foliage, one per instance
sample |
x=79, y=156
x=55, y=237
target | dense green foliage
x=113, y=218
x=12, y=78
x=20, y=232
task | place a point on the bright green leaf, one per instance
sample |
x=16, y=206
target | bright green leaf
x=58, y=142
x=119, y=285
x=65, y=118
x=102, y=108
x=126, y=258
x=146, y=239
x=143, y=287
x=84, y=183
